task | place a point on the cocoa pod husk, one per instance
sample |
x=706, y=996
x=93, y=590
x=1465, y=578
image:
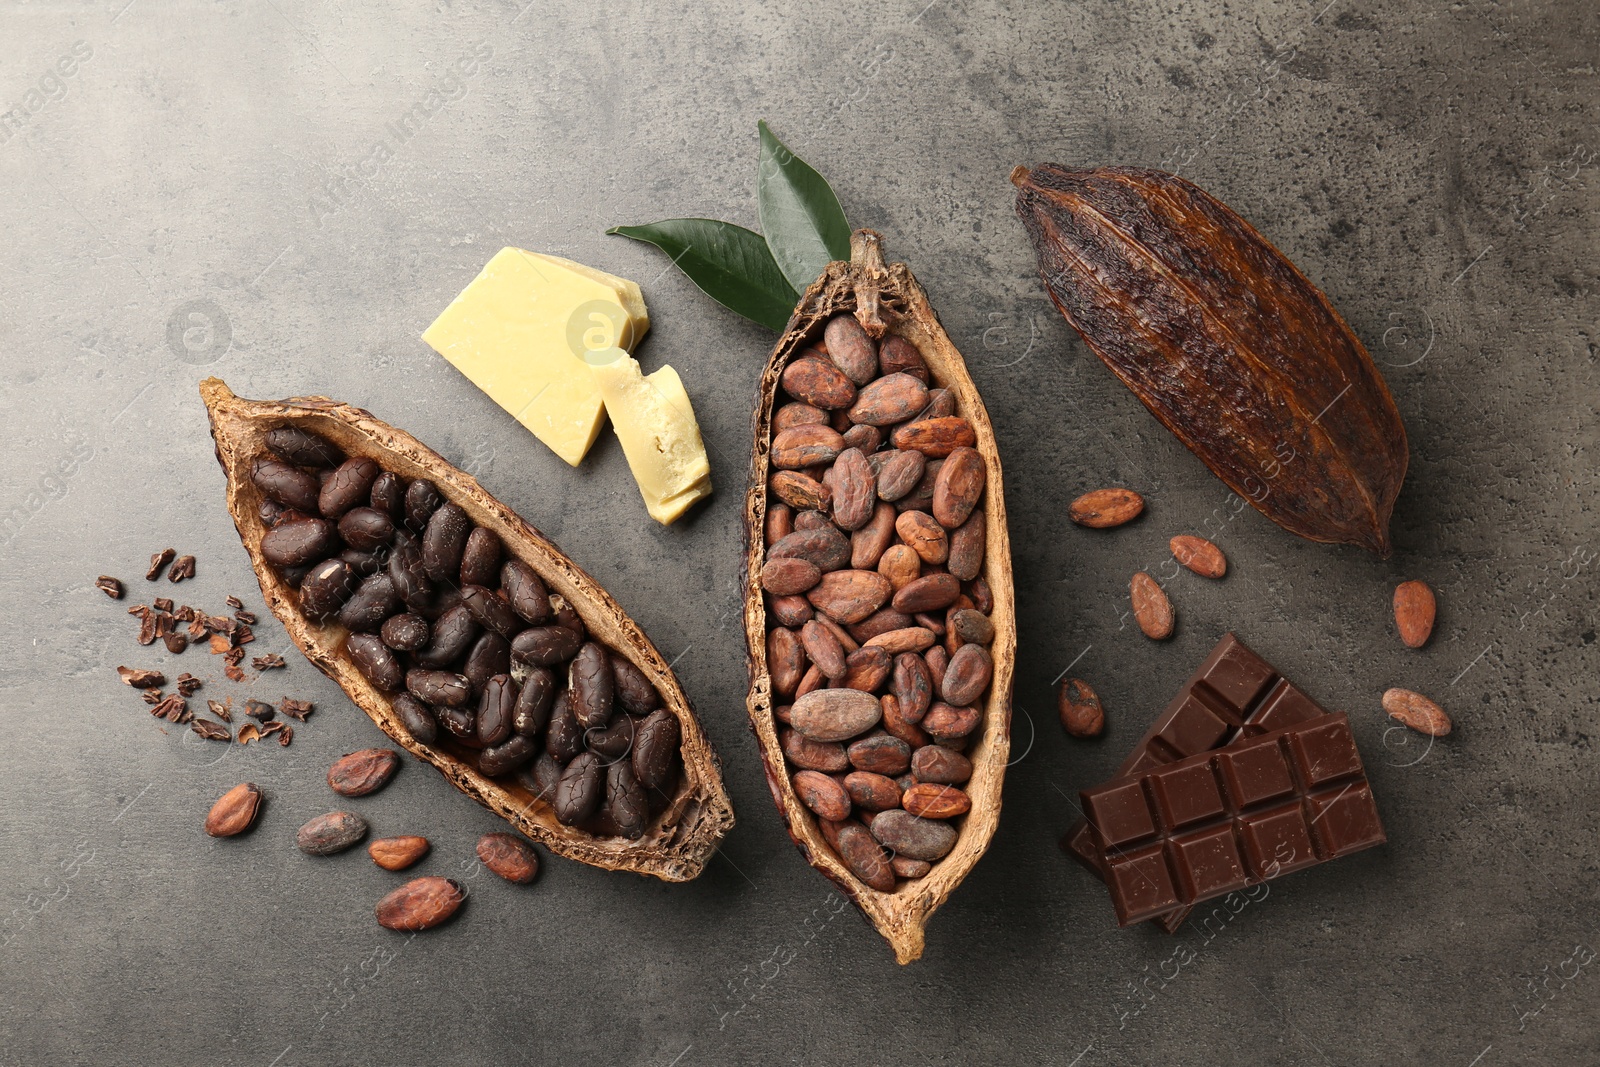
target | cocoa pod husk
x=1186, y=303
x=888, y=303
x=680, y=838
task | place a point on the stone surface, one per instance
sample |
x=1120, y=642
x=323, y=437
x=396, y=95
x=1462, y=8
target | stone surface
x=274, y=194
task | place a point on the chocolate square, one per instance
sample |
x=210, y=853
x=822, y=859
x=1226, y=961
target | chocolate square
x=1208, y=863
x=1194, y=728
x=1118, y=813
x=1141, y=885
x=1185, y=794
x=1276, y=841
x=1253, y=772
x=1324, y=753
x=1238, y=676
x=1345, y=819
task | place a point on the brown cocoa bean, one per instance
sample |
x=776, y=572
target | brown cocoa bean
x=440, y=688
x=590, y=680
x=1417, y=712
x=921, y=496
x=1199, y=555
x=901, y=565
x=850, y=349
x=928, y=593
x=444, y=542
x=357, y=774
x=972, y=625
x=855, y=490
x=865, y=859
x=298, y=541
x=866, y=438
x=874, y=792
x=795, y=414
x=491, y=610
x=791, y=611
x=1082, y=714
x=811, y=681
x=422, y=500
x=497, y=710
x=905, y=639
x=452, y=634
x=1414, y=609
x=398, y=853
x=626, y=803
x=786, y=660
x=823, y=648
x=325, y=588
x=819, y=383
x=405, y=632
x=924, y=535
x=967, y=676
x=849, y=596
x=949, y=722
x=913, y=686
x=941, y=404
x=866, y=669
x=906, y=867
x=935, y=437
x=416, y=717
x=634, y=690
x=373, y=601
x=349, y=486
x=420, y=904
x=389, y=495
x=880, y=753
x=545, y=646
x=896, y=355
x=365, y=529
x=286, y=484
x=895, y=724
x=779, y=522
x=236, y=810
x=906, y=835
x=490, y=655
x=1151, y=608
x=302, y=447
x=928, y=800
x=525, y=592
x=331, y=833
x=801, y=491
x=835, y=714
x=959, y=487
x=1101, y=509
x=868, y=544
x=826, y=756
x=812, y=519
x=375, y=662
x=891, y=399
x=881, y=621
x=824, y=796
x=822, y=545
x=967, y=543
x=899, y=471
x=509, y=856
x=802, y=446
x=940, y=766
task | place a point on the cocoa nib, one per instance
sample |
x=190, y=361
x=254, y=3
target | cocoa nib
x=174, y=709
x=268, y=662
x=109, y=586
x=211, y=731
x=247, y=617
x=158, y=563
x=183, y=568
x=221, y=711
x=140, y=679
x=296, y=709
x=153, y=696
x=259, y=710
x=187, y=684
x=176, y=643
x=234, y=602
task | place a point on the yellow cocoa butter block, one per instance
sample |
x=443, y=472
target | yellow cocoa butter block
x=519, y=332
x=655, y=422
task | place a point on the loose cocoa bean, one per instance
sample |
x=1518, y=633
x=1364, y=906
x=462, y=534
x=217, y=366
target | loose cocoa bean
x=1417, y=712
x=1414, y=609
x=1081, y=712
x=420, y=904
x=332, y=833
x=1151, y=608
x=509, y=856
x=1102, y=509
x=358, y=774
x=1199, y=555
x=235, y=811
x=398, y=853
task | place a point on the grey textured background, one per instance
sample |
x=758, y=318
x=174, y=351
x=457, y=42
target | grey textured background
x=205, y=194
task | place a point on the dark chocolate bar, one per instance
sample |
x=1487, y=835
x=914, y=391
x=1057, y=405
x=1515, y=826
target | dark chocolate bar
x=1234, y=694
x=1197, y=828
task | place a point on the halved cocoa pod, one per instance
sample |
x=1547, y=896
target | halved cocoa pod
x=889, y=304
x=680, y=838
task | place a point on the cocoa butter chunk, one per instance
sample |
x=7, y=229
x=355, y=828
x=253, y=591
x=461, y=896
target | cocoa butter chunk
x=905, y=834
x=835, y=714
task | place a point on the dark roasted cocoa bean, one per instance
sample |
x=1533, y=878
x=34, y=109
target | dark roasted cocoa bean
x=633, y=689
x=615, y=740
x=373, y=601
x=515, y=752
x=411, y=582
x=534, y=701
x=422, y=500
x=461, y=722
x=365, y=529
x=453, y=634
x=366, y=564
x=581, y=789
x=566, y=615
x=348, y=487
x=403, y=633
x=444, y=542
x=480, y=559
x=625, y=800
x=564, y=737
x=509, y=856
x=491, y=610
x=375, y=662
x=286, y=484
x=593, y=688
x=490, y=655
x=270, y=512
x=439, y=688
x=417, y=718
x=540, y=779
x=325, y=588
x=496, y=709
x=389, y=496
x=655, y=749
x=545, y=646
x=303, y=448
x=525, y=591
x=332, y=833
x=358, y=774
x=298, y=542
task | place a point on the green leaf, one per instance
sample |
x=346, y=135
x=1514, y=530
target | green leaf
x=804, y=224
x=730, y=264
